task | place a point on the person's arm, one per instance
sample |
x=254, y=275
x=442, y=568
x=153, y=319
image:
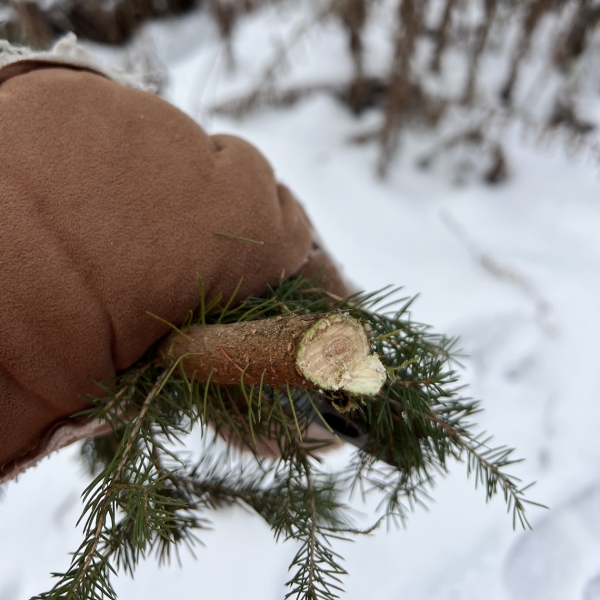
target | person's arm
x=114, y=203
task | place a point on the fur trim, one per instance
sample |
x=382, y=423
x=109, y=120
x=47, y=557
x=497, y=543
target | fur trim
x=68, y=51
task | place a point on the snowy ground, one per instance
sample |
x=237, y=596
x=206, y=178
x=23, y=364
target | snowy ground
x=529, y=331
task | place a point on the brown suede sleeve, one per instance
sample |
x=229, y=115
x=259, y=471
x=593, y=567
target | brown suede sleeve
x=111, y=202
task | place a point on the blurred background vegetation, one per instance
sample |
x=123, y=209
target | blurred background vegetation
x=476, y=64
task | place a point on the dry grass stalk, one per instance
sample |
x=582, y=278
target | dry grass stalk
x=34, y=26
x=583, y=22
x=409, y=25
x=353, y=14
x=536, y=10
x=403, y=95
x=481, y=37
x=442, y=35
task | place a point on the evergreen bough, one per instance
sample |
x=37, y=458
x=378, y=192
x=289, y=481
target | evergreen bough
x=147, y=499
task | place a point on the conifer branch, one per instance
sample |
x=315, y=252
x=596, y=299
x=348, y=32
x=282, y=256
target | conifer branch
x=148, y=499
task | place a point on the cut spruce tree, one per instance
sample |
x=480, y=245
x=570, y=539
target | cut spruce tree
x=261, y=373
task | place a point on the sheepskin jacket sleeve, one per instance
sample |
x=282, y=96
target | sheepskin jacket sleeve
x=112, y=201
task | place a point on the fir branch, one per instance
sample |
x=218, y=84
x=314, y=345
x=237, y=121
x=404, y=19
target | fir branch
x=148, y=499
x=89, y=561
x=487, y=464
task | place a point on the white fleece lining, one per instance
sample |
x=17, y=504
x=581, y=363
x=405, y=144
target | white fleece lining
x=68, y=51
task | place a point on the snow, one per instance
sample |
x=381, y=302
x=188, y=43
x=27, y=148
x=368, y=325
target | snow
x=530, y=326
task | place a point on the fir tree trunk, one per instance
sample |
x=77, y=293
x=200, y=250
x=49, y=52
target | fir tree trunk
x=329, y=351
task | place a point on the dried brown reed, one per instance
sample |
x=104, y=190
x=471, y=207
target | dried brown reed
x=403, y=95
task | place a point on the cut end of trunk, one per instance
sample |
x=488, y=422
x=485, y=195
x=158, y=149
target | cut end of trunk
x=335, y=355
